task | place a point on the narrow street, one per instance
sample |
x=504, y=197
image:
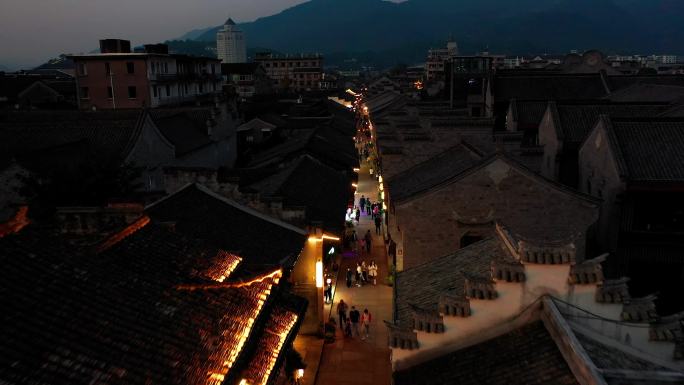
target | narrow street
x=353, y=360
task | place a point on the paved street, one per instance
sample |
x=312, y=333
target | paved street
x=354, y=361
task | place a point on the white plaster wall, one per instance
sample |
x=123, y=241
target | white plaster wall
x=549, y=140
x=490, y=318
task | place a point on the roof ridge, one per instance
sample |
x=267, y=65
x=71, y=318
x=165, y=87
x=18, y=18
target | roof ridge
x=514, y=163
x=233, y=204
x=470, y=147
x=123, y=234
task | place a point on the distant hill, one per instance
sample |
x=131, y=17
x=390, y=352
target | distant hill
x=409, y=28
x=194, y=34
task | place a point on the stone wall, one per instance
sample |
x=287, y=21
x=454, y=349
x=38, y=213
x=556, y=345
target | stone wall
x=434, y=224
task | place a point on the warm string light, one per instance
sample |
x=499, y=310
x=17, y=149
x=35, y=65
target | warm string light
x=232, y=262
x=246, y=330
x=121, y=235
x=16, y=223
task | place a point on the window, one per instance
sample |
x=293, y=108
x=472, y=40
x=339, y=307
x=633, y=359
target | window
x=84, y=93
x=154, y=67
x=110, y=93
x=132, y=92
x=108, y=69
x=82, y=69
x=201, y=88
x=166, y=68
x=213, y=69
x=155, y=91
x=289, y=64
x=168, y=90
x=130, y=67
x=186, y=88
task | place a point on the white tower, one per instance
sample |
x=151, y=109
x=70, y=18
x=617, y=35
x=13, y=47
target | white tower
x=452, y=47
x=230, y=44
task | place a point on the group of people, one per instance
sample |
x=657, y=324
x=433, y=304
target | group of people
x=374, y=209
x=350, y=323
x=363, y=274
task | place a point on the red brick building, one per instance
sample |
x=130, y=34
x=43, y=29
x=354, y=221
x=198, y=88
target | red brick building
x=119, y=78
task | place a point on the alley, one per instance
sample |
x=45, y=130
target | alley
x=352, y=360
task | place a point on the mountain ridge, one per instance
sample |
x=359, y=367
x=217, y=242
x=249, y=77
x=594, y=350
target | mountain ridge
x=329, y=26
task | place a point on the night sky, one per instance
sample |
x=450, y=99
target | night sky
x=32, y=31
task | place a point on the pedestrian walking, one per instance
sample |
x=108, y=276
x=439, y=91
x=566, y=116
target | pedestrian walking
x=364, y=271
x=349, y=278
x=368, y=238
x=342, y=312
x=355, y=317
x=358, y=274
x=365, y=322
x=357, y=213
x=328, y=293
x=373, y=272
x=378, y=223
x=376, y=210
x=362, y=202
x=368, y=207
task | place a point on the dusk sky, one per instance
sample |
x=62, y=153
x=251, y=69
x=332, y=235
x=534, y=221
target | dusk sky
x=32, y=31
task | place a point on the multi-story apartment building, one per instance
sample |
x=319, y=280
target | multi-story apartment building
x=118, y=78
x=230, y=43
x=294, y=72
x=434, y=65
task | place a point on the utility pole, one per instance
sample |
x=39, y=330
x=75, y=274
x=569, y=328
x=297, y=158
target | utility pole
x=451, y=92
x=111, y=84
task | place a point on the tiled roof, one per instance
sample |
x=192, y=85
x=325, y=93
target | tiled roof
x=676, y=111
x=577, y=120
x=606, y=357
x=648, y=93
x=257, y=238
x=185, y=128
x=548, y=87
x=649, y=149
x=526, y=356
x=422, y=285
x=432, y=172
x=324, y=143
x=307, y=182
x=256, y=124
x=528, y=114
x=72, y=317
x=616, y=83
x=108, y=134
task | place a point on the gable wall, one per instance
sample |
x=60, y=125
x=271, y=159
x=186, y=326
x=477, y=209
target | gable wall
x=433, y=224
